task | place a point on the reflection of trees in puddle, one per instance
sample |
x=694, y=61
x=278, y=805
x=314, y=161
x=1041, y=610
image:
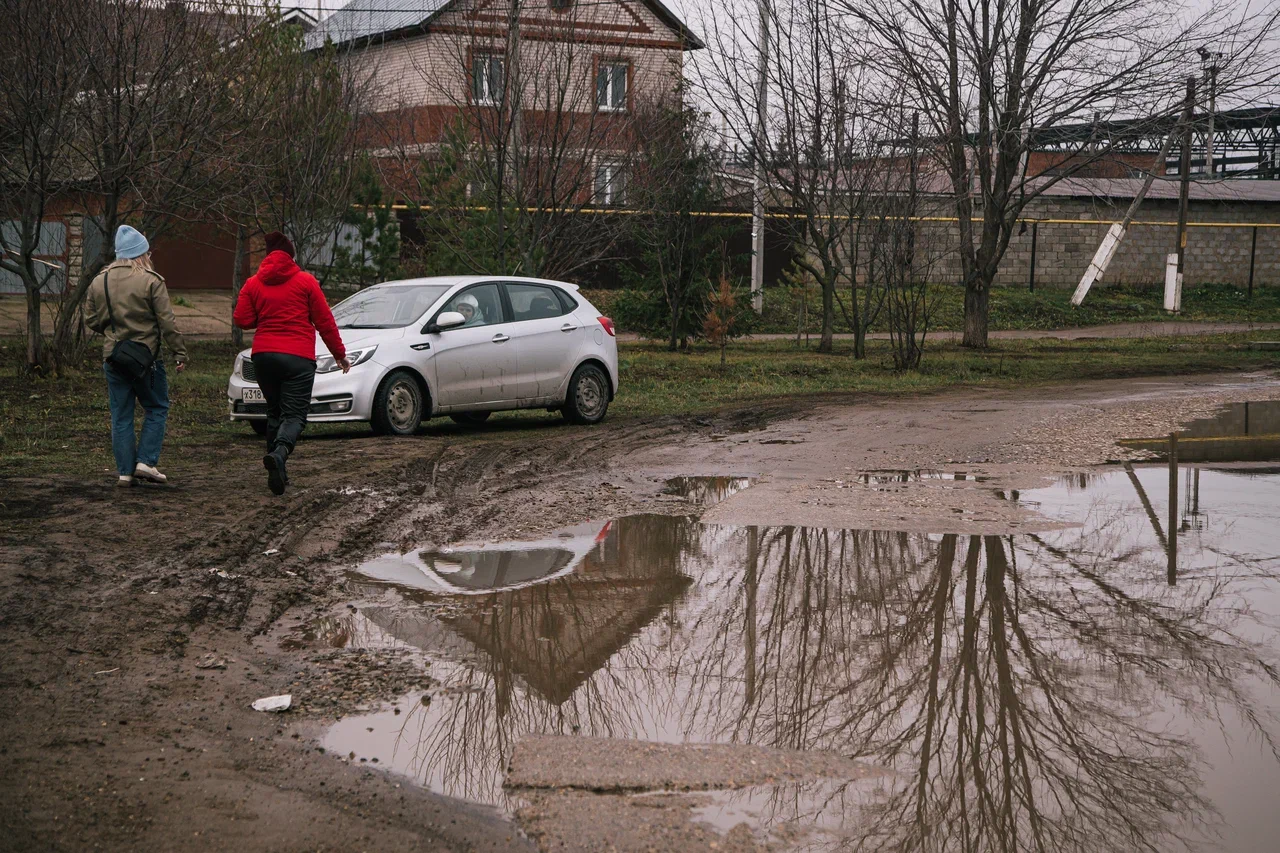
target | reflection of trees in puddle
x=1022, y=685
x=705, y=491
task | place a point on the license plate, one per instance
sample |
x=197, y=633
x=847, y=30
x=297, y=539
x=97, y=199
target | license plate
x=252, y=395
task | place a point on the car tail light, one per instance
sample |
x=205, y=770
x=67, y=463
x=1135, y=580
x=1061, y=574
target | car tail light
x=608, y=325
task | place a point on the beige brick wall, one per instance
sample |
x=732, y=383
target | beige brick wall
x=1064, y=249
x=432, y=69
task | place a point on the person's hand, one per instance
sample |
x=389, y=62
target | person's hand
x=182, y=365
x=344, y=363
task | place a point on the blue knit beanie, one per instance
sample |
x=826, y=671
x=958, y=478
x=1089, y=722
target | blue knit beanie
x=130, y=243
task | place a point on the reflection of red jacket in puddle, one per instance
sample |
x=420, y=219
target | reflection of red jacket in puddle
x=287, y=308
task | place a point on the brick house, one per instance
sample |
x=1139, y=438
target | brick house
x=572, y=76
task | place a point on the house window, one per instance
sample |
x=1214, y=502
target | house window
x=487, y=72
x=560, y=5
x=611, y=86
x=611, y=183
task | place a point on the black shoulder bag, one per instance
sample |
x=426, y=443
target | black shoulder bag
x=131, y=358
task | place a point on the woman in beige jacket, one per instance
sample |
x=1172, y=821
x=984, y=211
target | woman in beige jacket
x=128, y=301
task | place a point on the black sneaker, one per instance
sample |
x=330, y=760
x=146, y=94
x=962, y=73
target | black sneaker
x=277, y=479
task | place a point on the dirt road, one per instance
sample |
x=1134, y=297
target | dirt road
x=139, y=625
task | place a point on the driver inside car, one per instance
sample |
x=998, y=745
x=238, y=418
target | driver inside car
x=469, y=308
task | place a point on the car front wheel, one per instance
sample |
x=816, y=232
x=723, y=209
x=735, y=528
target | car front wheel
x=588, y=397
x=398, y=405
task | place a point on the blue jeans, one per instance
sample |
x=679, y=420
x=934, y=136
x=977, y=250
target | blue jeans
x=152, y=391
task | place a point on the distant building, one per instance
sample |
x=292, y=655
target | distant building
x=583, y=69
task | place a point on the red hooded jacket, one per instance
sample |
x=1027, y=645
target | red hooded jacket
x=287, y=308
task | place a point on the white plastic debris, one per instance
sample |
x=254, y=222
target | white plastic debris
x=274, y=703
x=270, y=551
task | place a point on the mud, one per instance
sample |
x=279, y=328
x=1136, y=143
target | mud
x=115, y=738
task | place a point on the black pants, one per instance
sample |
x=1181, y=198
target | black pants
x=286, y=382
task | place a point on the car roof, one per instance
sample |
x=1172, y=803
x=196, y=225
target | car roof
x=453, y=280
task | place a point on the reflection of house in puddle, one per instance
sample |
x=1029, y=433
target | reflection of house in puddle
x=557, y=615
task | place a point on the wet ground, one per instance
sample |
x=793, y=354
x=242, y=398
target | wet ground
x=933, y=625
x=1074, y=682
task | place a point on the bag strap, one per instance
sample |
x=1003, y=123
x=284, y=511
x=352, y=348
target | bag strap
x=106, y=278
x=155, y=315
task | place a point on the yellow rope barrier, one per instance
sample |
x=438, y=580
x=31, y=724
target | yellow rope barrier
x=734, y=214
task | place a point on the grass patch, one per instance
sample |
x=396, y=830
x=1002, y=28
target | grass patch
x=658, y=381
x=62, y=424
x=1016, y=308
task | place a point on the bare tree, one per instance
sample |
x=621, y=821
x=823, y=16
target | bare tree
x=300, y=161
x=151, y=114
x=526, y=132
x=814, y=89
x=986, y=75
x=42, y=75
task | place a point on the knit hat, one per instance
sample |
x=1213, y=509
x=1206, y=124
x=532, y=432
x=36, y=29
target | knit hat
x=130, y=243
x=277, y=242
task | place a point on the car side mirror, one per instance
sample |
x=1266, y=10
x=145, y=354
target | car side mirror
x=446, y=320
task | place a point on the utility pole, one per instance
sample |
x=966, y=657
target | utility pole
x=1209, y=61
x=1111, y=242
x=760, y=183
x=1173, y=295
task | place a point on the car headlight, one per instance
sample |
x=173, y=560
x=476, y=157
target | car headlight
x=328, y=364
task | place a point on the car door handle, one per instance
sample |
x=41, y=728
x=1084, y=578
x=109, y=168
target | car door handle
x=568, y=327
x=501, y=338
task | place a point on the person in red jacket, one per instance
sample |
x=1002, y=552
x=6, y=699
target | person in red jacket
x=287, y=308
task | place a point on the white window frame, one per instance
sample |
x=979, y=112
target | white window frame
x=613, y=189
x=611, y=69
x=484, y=94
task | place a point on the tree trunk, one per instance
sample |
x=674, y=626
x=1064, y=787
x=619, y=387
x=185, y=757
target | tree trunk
x=65, y=331
x=977, y=300
x=35, y=343
x=237, y=281
x=675, y=325
x=828, y=316
x=859, y=341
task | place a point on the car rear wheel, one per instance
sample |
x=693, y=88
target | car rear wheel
x=588, y=397
x=470, y=418
x=398, y=405
x=259, y=426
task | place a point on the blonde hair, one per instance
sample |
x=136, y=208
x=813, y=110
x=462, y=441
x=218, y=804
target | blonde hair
x=142, y=263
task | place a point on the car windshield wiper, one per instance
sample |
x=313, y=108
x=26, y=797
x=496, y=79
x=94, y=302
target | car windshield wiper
x=366, y=326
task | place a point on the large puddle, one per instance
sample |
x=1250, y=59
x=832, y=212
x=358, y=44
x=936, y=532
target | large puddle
x=1103, y=688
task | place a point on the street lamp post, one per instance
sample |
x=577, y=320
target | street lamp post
x=1209, y=64
x=760, y=183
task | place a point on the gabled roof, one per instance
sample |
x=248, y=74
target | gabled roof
x=362, y=20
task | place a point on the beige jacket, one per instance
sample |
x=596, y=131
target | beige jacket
x=140, y=303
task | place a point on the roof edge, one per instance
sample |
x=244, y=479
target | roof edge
x=670, y=18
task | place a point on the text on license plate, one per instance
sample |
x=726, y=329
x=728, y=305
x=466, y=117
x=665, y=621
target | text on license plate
x=252, y=395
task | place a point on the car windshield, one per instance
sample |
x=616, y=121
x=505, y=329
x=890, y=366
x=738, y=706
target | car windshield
x=496, y=569
x=387, y=307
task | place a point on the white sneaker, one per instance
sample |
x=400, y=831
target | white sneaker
x=146, y=472
x=125, y=480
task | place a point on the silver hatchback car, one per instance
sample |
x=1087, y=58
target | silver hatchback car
x=462, y=346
